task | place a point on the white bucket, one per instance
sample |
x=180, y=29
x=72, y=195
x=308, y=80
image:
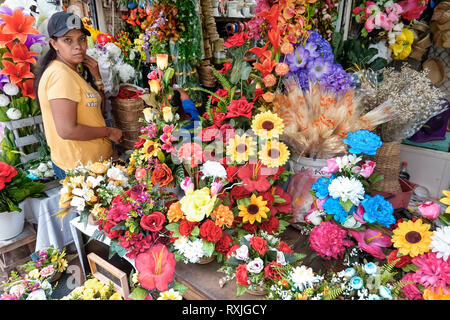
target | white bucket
x=11, y=224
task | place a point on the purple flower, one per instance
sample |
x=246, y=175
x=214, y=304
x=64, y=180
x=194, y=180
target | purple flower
x=3, y=80
x=298, y=59
x=318, y=68
x=35, y=38
x=336, y=79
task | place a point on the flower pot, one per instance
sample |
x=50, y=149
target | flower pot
x=11, y=224
x=206, y=260
x=257, y=291
x=306, y=172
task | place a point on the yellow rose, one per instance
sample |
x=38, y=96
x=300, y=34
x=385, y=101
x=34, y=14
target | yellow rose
x=155, y=86
x=77, y=292
x=88, y=294
x=167, y=114
x=162, y=60
x=115, y=296
x=197, y=204
x=148, y=114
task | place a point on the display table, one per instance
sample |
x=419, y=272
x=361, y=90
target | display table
x=201, y=279
x=51, y=230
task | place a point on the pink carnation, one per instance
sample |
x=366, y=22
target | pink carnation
x=47, y=271
x=328, y=240
x=433, y=272
x=410, y=291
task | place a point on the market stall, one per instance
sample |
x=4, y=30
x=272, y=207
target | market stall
x=268, y=150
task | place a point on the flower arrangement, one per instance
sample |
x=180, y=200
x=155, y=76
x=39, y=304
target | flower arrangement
x=16, y=187
x=25, y=288
x=91, y=188
x=46, y=263
x=93, y=289
x=255, y=259
x=41, y=171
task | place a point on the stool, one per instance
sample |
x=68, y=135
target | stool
x=10, y=249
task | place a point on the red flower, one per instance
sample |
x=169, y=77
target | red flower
x=261, y=52
x=258, y=94
x=284, y=247
x=236, y=40
x=20, y=53
x=219, y=118
x=16, y=72
x=27, y=88
x=224, y=244
x=232, y=250
x=271, y=15
x=186, y=227
x=239, y=192
x=156, y=268
x=119, y=211
x=7, y=172
x=210, y=232
x=242, y=278
x=221, y=93
x=191, y=152
x=274, y=37
x=250, y=228
x=226, y=67
x=112, y=234
x=231, y=173
x=270, y=272
x=266, y=67
x=153, y=222
x=139, y=144
x=135, y=243
x=259, y=244
x=403, y=262
x=239, y=108
x=271, y=225
x=227, y=132
x=269, y=196
x=18, y=26
x=254, y=177
x=210, y=133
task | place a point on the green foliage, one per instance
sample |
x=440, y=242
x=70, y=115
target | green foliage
x=333, y=293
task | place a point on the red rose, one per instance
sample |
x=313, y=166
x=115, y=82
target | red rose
x=186, y=228
x=237, y=40
x=239, y=108
x=259, y=244
x=219, y=118
x=284, y=247
x=241, y=275
x=210, y=133
x=210, y=232
x=7, y=172
x=223, y=93
x=227, y=132
x=139, y=144
x=232, y=250
x=224, y=244
x=153, y=222
x=251, y=228
x=112, y=234
x=270, y=272
x=271, y=225
x=403, y=262
x=258, y=94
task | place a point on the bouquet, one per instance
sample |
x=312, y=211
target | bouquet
x=16, y=187
x=25, y=288
x=91, y=189
x=46, y=263
x=94, y=289
x=255, y=259
x=42, y=170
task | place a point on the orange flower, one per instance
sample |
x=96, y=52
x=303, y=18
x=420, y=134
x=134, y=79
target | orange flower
x=272, y=15
x=287, y=48
x=27, y=88
x=270, y=80
x=266, y=67
x=223, y=216
x=18, y=26
x=274, y=37
x=16, y=72
x=174, y=213
x=268, y=97
x=162, y=175
x=282, y=69
x=20, y=53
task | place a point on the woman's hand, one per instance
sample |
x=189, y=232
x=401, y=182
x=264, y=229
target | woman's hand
x=92, y=65
x=114, y=134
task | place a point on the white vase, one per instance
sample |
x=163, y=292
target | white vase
x=11, y=224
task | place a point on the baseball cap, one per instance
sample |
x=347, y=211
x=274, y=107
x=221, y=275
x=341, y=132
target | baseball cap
x=62, y=22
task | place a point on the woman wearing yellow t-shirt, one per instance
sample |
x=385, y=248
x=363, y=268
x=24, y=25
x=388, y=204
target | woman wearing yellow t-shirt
x=72, y=110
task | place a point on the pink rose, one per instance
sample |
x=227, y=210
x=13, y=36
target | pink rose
x=47, y=271
x=140, y=174
x=381, y=19
x=367, y=168
x=331, y=167
x=187, y=185
x=430, y=210
x=370, y=24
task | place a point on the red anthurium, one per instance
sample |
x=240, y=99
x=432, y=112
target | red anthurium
x=18, y=25
x=27, y=88
x=16, y=72
x=156, y=268
x=20, y=53
x=371, y=241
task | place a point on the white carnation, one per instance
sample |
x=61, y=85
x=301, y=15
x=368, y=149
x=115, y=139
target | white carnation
x=303, y=277
x=440, y=242
x=347, y=189
x=255, y=266
x=4, y=100
x=191, y=250
x=10, y=89
x=14, y=113
x=126, y=72
x=213, y=169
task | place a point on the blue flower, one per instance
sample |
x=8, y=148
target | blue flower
x=363, y=141
x=318, y=68
x=378, y=209
x=356, y=283
x=321, y=187
x=334, y=207
x=374, y=297
x=32, y=176
x=349, y=272
x=298, y=59
x=370, y=268
x=385, y=292
x=337, y=79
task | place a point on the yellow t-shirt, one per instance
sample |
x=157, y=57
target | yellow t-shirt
x=60, y=81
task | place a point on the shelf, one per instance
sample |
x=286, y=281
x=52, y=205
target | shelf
x=231, y=19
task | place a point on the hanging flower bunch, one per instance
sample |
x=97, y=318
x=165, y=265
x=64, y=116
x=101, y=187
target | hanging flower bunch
x=254, y=261
x=90, y=189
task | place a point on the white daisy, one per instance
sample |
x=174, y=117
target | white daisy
x=303, y=277
x=347, y=189
x=440, y=242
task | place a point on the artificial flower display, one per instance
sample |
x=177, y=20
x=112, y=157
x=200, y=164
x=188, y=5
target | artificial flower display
x=93, y=289
x=26, y=287
x=412, y=238
x=46, y=263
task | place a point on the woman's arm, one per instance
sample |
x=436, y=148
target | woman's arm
x=64, y=113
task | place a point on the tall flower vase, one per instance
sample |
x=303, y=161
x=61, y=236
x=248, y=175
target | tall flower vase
x=306, y=172
x=388, y=164
x=11, y=224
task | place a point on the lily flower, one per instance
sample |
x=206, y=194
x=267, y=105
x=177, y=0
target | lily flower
x=18, y=26
x=371, y=241
x=20, y=53
x=16, y=72
x=27, y=88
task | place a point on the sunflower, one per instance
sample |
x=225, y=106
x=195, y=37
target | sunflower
x=274, y=153
x=446, y=200
x=412, y=238
x=267, y=125
x=150, y=149
x=241, y=148
x=254, y=211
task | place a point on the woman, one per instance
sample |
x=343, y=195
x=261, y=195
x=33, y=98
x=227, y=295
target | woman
x=71, y=108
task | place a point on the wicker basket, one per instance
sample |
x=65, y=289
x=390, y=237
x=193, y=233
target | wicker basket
x=206, y=260
x=388, y=164
x=258, y=291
